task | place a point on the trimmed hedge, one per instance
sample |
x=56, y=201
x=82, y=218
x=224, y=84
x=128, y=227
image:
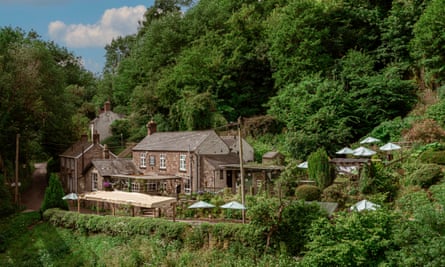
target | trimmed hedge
x=308, y=192
x=192, y=237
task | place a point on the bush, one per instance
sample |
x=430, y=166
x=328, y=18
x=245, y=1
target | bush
x=54, y=194
x=319, y=169
x=308, y=192
x=436, y=157
x=334, y=193
x=426, y=175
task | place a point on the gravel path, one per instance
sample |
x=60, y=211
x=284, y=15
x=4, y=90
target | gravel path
x=33, y=197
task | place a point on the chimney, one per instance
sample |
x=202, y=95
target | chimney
x=84, y=138
x=106, y=152
x=107, y=106
x=96, y=138
x=151, y=127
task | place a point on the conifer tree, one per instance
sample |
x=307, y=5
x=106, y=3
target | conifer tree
x=319, y=169
x=54, y=194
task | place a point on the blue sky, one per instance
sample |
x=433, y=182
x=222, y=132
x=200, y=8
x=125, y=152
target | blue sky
x=84, y=27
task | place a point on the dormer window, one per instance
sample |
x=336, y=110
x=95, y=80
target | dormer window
x=143, y=160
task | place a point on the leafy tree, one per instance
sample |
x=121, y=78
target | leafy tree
x=54, y=194
x=284, y=223
x=351, y=239
x=429, y=42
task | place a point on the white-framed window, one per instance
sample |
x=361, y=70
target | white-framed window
x=152, y=187
x=134, y=187
x=187, y=186
x=162, y=160
x=143, y=160
x=94, y=180
x=152, y=159
x=182, y=165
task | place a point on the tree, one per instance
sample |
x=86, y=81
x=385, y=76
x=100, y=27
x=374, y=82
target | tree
x=54, y=195
x=428, y=43
x=351, y=239
x=319, y=168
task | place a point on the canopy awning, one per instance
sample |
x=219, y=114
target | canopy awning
x=128, y=198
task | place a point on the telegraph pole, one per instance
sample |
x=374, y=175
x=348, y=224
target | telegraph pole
x=241, y=168
x=17, y=169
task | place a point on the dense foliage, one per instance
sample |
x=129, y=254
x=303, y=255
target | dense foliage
x=54, y=195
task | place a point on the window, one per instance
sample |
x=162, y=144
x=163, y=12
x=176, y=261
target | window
x=134, y=187
x=152, y=160
x=162, y=161
x=187, y=186
x=182, y=158
x=93, y=181
x=152, y=187
x=143, y=160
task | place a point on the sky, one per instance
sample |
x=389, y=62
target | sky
x=84, y=27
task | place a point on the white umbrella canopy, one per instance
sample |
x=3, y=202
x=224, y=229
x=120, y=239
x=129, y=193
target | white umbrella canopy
x=70, y=196
x=201, y=204
x=345, y=151
x=303, y=165
x=369, y=140
x=389, y=147
x=364, y=205
x=234, y=205
x=363, y=151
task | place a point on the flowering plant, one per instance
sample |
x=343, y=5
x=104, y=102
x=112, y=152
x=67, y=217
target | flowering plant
x=107, y=184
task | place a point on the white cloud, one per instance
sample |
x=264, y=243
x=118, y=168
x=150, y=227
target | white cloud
x=114, y=22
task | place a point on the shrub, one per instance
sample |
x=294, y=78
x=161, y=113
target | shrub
x=426, y=131
x=319, y=168
x=308, y=192
x=436, y=157
x=426, y=175
x=54, y=194
x=334, y=193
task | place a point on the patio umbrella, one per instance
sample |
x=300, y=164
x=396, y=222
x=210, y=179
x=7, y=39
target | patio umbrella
x=303, y=165
x=70, y=196
x=364, y=205
x=363, y=151
x=345, y=151
x=389, y=147
x=233, y=205
x=201, y=204
x=369, y=140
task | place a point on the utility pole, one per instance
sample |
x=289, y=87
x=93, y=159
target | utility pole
x=17, y=169
x=241, y=168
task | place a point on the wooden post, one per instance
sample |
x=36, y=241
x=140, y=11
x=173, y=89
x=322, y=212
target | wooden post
x=241, y=167
x=174, y=211
x=114, y=209
x=97, y=207
x=78, y=204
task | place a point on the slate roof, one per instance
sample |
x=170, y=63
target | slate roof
x=174, y=141
x=109, y=167
x=76, y=149
x=222, y=159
